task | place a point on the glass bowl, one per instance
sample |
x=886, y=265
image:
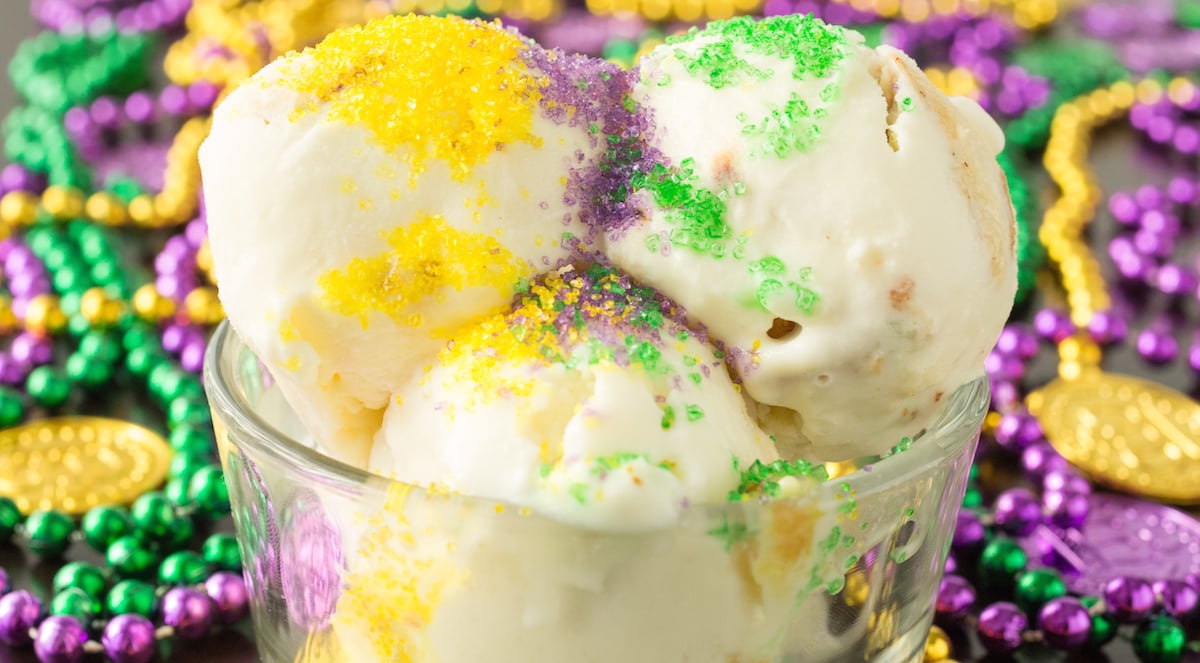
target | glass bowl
x=346, y=566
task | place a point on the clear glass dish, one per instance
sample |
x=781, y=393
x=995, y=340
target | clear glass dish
x=345, y=566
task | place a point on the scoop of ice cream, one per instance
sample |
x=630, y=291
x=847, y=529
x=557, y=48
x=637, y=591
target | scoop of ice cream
x=459, y=581
x=839, y=224
x=589, y=401
x=370, y=196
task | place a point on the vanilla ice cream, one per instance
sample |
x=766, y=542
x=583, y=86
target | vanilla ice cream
x=589, y=401
x=577, y=311
x=369, y=197
x=835, y=220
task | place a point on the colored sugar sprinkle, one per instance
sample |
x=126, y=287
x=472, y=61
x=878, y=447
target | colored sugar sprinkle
x=445, y=87
x=611, y=462
x=579, y=492
x=762, y=479
x=848, y=504
x=596, y=95
x=814, y=49
x=573, y=318
x=427, y=259
x=731, y=533
x=697, y=214
x=630, y=463
x=790, y=128
x=605, y=465
x=904, y=445
x=830, y=542
x=392, y=601
x=718, y=65
x=770, y=274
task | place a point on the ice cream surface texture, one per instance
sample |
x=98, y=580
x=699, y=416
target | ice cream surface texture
x=511, y=273
x=601, y=406
x=835, y=220
x=608, y=303
x=370, y=197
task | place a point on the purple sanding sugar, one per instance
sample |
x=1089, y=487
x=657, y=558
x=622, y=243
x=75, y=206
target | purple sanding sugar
x=595, y=95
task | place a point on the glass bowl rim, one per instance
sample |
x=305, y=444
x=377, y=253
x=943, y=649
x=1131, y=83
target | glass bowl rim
x=956, y=425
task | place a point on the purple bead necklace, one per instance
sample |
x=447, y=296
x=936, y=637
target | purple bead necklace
x=978, y=45
x=1172, y=120
x=834, y=13
x=176, y=275
x=186, y=612
x=15, y=177
x=1042, y=611
x=1146, y=34
x=1072, y=595
x=26, y=278
x=1151, y=228
x=126, y=15
x=94, y=129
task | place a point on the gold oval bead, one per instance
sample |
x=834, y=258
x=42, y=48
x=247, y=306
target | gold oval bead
x=1180, y=90
x=44, y=316
x=203, y=307
x=152, y=306
x=141, y=211
x=105, y=208
x=63, y=203
x=937, y=646
x=204, y=260
x=99, y=309
x=18, y=208
x=887, y=8
x=91, y=304
x=8, y=319
x=914, y=11
x=944, y=7
x=1124, y=94
x=1100, y=104
x=167, y=209
x=1148, y=91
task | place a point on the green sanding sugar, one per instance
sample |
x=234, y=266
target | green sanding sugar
x=717, y=65
x=763, y=478
x=697, y=213
x=789, y=128
x=668, y=417
x=814, y=49
x=768, y=265
x=730, y=533
x=605, y=464
x=770, y=275
x=846, y=498
x=830, y=542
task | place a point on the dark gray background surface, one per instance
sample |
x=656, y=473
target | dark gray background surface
x=15, y=24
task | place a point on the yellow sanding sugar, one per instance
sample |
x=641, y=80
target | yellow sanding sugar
x=392, y=601
x=428, y=258
x=441, y=86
